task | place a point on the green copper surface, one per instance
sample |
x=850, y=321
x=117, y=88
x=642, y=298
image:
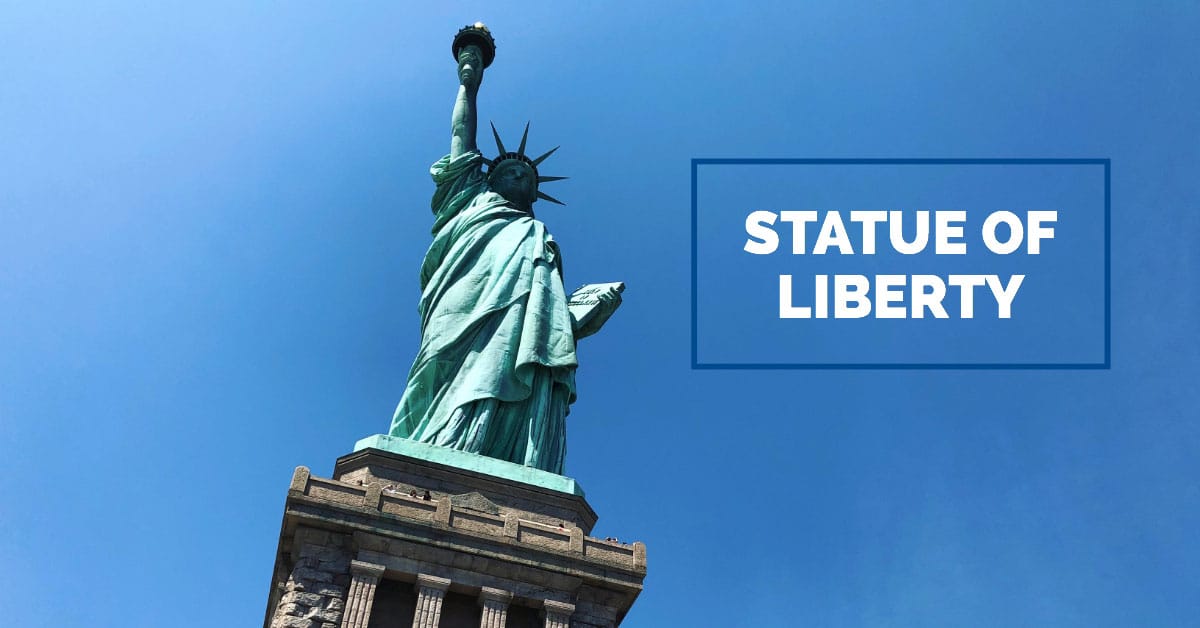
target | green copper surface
x=495, y=372
x=471, y=462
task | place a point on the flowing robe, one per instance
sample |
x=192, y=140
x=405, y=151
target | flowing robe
x=495, y=374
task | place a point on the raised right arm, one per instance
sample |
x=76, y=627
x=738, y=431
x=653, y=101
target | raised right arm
x=462, y=122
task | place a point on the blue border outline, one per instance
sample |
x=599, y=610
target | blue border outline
x=1106, y=162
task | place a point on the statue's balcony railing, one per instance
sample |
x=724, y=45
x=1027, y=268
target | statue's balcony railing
x=440, y=512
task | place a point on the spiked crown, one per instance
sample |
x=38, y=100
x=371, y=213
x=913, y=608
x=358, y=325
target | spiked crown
x=506, y=155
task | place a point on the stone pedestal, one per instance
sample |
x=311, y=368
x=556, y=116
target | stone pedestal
x=396, y=540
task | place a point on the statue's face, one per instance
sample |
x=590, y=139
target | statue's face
x=515, y=182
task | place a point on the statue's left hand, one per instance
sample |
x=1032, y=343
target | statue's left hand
x=610, y=300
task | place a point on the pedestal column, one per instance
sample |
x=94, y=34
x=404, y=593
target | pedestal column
x=430, y=592
x=558, y=614
x=362, y=594
x=495, y=607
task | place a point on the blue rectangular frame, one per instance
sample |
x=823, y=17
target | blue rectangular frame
x=1107, y=364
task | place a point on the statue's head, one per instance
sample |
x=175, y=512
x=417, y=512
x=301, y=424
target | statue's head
x=516, y=181
x=514, y=175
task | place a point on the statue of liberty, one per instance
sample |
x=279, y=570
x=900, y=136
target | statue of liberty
x=495, y=373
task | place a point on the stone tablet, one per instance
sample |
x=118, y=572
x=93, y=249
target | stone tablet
x=584, y=305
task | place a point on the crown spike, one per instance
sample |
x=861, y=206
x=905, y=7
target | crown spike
x=496, y=134
x=549, y=179
x=547, y=197
x=539, y=160
x=524, y=137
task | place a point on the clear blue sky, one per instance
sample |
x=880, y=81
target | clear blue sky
x=211, y=218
